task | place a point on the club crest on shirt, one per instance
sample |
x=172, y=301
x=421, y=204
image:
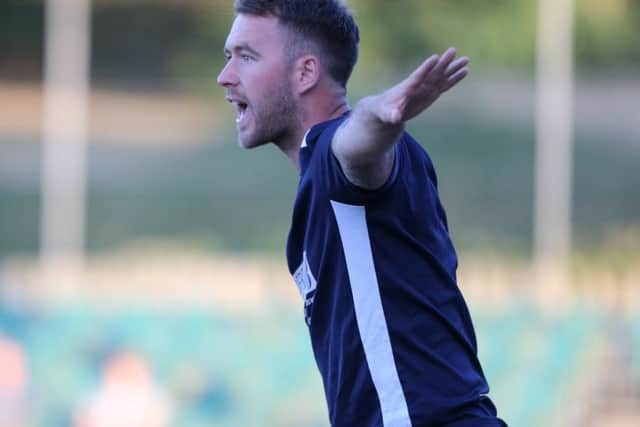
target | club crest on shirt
x=306, y=285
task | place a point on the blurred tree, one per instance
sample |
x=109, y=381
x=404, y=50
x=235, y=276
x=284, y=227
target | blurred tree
x=178, y=43
x=136, y=42
x=493, y=32
x=21, y=39
x=607, y=34
x=201, y=60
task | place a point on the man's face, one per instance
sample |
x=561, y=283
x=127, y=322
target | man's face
x=256, y=79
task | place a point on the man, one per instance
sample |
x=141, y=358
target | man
x=369, y=247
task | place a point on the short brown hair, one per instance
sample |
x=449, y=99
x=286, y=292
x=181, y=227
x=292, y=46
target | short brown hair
x=328, y=24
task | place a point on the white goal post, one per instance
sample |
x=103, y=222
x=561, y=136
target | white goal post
x=66, y=86
x=554, y=140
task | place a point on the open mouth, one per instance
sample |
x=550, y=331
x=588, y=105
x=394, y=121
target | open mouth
x=241, y=109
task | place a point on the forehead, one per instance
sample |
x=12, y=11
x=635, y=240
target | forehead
x=258, y=32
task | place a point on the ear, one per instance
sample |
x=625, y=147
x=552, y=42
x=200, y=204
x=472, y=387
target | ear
x=306, y=73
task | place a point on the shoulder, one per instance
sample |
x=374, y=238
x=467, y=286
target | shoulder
x=323, y=132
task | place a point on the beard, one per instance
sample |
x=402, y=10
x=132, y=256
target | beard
x=274, y=117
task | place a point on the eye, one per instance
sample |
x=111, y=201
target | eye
x=246, y=58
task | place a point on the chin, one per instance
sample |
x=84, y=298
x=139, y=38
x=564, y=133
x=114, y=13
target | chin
x=248, y=143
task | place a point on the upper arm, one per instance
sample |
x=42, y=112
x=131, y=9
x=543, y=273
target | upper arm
x=371, y=174
x=364, y=146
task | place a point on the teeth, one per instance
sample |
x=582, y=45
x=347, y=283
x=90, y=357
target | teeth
x=241, y=109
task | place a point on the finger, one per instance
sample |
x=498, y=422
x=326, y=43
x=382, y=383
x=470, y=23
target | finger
x=456, y=65
x=455, y=78
x=425, y=68
x=444, y=62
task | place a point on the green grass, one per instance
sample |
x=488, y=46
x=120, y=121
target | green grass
x=216, y=196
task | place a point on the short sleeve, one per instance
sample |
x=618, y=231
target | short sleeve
x=330, y=175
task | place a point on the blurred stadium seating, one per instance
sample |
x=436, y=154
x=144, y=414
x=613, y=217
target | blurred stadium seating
x=224, y=370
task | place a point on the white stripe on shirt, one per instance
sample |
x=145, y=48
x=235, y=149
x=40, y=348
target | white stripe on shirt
x=354, y=234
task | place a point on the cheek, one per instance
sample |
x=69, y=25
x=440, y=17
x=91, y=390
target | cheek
x=267, y=77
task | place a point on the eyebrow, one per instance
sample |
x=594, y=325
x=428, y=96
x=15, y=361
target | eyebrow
x=243, y=47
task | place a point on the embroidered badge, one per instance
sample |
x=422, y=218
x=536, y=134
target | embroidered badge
x=306, y=285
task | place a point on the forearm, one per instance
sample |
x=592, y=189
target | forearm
x=364, y=144
x=365, y=136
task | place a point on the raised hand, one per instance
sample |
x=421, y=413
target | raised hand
x=422, y=88
x=363, y=144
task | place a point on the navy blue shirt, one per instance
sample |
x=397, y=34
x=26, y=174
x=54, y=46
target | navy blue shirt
x=391, y=333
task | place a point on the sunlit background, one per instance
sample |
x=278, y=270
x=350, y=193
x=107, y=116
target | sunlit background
x=142, y=268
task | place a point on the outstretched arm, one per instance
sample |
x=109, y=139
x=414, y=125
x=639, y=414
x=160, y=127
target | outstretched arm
x=364, y=143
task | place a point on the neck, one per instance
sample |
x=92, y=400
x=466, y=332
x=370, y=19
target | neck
x=316, y=112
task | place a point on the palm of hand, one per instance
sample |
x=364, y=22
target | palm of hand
x=423, y=87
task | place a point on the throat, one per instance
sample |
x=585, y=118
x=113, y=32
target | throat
x=290, y=146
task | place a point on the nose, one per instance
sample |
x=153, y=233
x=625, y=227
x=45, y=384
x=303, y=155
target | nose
x=227, y=76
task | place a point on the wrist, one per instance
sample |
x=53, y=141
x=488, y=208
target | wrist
x=378, y=113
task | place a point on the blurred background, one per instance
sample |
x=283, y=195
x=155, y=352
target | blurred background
x=142, y=268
